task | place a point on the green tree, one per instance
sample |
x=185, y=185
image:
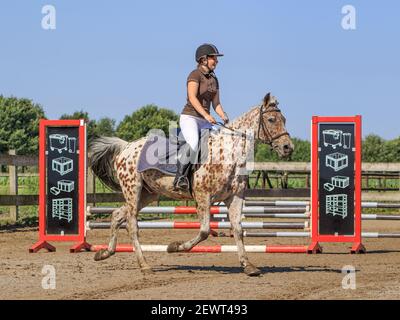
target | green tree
x=90, y=124
x=19, y=129
x=372, y=148
x=391, y=151
x=263, y=153
x=140, y=122
x=302, y=149
x=105, y=127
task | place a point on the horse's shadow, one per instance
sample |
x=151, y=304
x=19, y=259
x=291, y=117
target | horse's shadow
x=377, y=251
x=233, y=270
x=381, y=251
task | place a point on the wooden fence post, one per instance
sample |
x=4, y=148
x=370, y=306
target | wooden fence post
x=13, y=177
x=91, y=185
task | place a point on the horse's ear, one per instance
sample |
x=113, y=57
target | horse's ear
x=267, y=98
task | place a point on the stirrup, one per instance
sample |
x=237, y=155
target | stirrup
x=182, y=184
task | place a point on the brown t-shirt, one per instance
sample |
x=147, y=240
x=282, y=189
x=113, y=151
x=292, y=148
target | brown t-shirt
x=208, y=89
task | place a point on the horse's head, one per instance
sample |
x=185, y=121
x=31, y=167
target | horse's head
x=271, y=127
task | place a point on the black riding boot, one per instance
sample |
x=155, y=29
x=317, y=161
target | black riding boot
x=181, y=181
x=184, y=164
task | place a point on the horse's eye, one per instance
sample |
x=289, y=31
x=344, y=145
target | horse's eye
x=271, y=119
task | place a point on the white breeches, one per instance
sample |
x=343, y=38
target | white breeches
x=191, y=129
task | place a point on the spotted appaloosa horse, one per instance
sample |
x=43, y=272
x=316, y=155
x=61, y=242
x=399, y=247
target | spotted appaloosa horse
x=114, y=161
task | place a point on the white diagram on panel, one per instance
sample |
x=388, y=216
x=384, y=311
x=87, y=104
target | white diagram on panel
x=336, y=138
x=332, y=138
x=63, y=185
x=62, y=165
x=62, y=209
x=62, y=142
x=337, y=161
x=71, y=145
x=346, y=140
x=58, y=142
x=337, y=181
x=66, y=185
x=336, y=204
x=55, y=191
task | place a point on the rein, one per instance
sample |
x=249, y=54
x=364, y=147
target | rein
x=261, y=125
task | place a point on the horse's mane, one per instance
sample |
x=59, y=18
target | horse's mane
x=240, y=118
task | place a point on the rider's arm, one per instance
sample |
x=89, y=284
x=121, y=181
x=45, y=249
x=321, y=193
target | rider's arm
x=218, y=107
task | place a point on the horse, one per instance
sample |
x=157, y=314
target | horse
x=114, y=161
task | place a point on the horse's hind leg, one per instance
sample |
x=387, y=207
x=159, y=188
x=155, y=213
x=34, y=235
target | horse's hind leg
x=203, y=212
x=234, y=204
x=118, y=217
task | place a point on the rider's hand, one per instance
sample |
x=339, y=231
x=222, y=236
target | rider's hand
x=225, y=118
x=210, y=119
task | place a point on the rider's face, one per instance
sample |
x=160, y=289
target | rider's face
x=212, y=62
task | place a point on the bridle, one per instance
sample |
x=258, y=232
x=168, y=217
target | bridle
x=261, y=125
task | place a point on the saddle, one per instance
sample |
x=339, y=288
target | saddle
x=160, y=153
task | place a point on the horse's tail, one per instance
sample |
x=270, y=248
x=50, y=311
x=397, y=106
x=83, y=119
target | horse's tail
x=102, y=154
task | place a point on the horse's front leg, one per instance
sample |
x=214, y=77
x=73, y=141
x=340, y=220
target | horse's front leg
x=203, y=212
x=118, y=217
x=234, y=204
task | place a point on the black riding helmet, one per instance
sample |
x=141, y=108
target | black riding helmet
x=207, y=49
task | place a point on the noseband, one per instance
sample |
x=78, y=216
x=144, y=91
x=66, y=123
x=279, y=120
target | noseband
x=261, y=125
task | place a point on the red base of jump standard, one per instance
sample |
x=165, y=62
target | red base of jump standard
x=42, y=245
x=314, y=248
x=358, y=248
x=80, y=246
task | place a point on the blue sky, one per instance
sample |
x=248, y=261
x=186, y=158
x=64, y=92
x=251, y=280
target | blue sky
x=111, y=57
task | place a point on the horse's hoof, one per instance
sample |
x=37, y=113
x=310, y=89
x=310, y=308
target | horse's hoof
x=174, y=246
x=252, y=271
x=147, y=270
x=102, y=254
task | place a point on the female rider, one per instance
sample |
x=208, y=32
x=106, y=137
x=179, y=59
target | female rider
x=202, y=90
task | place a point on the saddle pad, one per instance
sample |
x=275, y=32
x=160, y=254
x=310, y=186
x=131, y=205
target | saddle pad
x=158, y=153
